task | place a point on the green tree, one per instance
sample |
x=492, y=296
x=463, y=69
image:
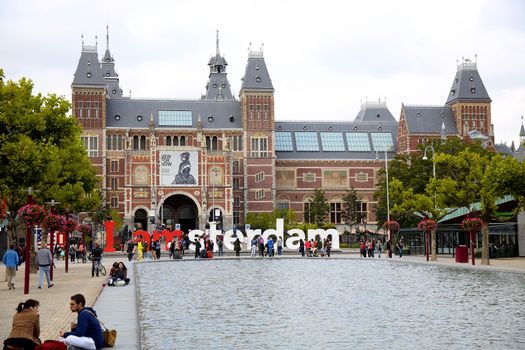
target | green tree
x=351, y=210
x=40, y=147
x=319, y=208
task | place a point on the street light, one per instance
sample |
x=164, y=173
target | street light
x=52, y=238
x=387, y=194
x=430, y=147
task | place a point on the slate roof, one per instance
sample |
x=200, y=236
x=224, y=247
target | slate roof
x=374, y=112
x=224, y=114
x=522, y=131
x=467, y=84
x=429, y=119
x=88, y=70
x=503, y=149
x=256, y=75
x=336, y=126
x=218, y=88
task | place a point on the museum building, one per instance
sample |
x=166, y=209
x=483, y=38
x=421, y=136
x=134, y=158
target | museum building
x=219, y=156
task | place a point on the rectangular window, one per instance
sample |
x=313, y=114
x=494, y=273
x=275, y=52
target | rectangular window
x=80, y=113
x=236, y=218
x=91, y=145
x=259, y=147
x=114, y=184
x=175, y=118
x=259, y=194
x=259, y=177
x=283, y=141
x=283, y=206
x=96, y=113
x=382, y=141
x=96, y=104
x=88, y=104
x=307, y=213
x=335, y=213
x=332, y=141
x=357, y=141
x=362, y=209
x=236, y=202
x=89, y=113
x=306, y=141
x=114, y=202
x=236, y=183
x=114, y=166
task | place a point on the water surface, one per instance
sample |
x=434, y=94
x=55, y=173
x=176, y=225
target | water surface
x=327, y=304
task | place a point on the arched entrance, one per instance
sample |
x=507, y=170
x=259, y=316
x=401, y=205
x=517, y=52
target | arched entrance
x=215, y=215
x=180, y=209
x=141, y=217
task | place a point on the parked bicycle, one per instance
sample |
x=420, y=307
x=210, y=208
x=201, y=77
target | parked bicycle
x=99, y=268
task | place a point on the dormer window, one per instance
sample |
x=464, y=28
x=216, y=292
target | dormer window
x=117, y=117
x=223, y=86
x=471, y=78
x=139, y=118
x=452, y=92
x=89, y=74
x=379, y=128
x=258, y=79
x=210, y=118
x=107, y=74
x=89, y=63
x=378, y=116
x=107, y=59
x=214, y=85
x=114, y=91
x=257, y=67
x=355, y=128
x=418, y=114
x=473, y=90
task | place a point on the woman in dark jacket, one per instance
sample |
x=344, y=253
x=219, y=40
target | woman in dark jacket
x=237, y=247
x=26, y=327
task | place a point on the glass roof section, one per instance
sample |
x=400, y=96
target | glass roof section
x=332, y=141
x=283, y=141
x=306, y=141
x=175, y=118
x=382, y=141
x=358, y=142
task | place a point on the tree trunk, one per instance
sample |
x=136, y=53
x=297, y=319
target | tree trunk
x=485, y=244
x=433, y=248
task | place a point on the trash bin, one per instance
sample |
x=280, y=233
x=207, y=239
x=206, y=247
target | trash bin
x=462, y=254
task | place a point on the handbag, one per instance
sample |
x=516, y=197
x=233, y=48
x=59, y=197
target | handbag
x=109, y=335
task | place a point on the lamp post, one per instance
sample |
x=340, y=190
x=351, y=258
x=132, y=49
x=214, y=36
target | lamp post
x=52, y=238
x=27, y=253
x=433, y=246
x=387, y=195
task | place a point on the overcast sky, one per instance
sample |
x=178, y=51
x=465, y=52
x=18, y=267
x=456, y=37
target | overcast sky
x=324, y=57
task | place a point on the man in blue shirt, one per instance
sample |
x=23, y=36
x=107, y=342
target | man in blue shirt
x=10, y=261
x=87, y=334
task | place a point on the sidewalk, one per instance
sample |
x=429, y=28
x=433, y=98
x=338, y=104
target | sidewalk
x=117, y=306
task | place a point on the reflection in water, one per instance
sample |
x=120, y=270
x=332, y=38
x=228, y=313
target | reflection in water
x=329, y=304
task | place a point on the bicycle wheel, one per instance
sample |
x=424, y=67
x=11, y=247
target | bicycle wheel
x=102, y=270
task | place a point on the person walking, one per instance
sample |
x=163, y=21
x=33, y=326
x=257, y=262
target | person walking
x=25, y=331
x=328, y=247
x=301, y=247
x=87, y=334
x=43, y=261
x=10, y=260
x=379, y=247
x=96, y=258
x=400, y=247
x=270, y=247
x=389, y=248
x=197, y=248
x=220, y=245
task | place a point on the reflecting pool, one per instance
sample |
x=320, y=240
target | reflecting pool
x=327, y=304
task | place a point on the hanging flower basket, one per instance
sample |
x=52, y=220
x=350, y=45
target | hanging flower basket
x=472, y=224
x=54, y=222
x=84, y=229
x=32, y=214
x=426, y=225
x=71, y=225
x=392, y=225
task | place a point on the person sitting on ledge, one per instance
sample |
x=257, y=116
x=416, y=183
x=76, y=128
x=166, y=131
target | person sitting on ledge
x=26, y=327
x=87, y=334
x=118, y=273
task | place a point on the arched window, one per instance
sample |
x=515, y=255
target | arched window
x=183, y=140
x=214, y=143
x=143, y=142
x=119, y=142
x=114, y=141
x=136, y=142
x=208, y=143
x=108, y=141
x=168, y=140
x=175, y=140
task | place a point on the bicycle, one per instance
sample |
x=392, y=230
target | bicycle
x=99, y=268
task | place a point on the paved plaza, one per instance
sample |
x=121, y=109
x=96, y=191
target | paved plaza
x=116, y=306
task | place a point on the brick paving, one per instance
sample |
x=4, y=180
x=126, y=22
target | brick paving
x=54, y=302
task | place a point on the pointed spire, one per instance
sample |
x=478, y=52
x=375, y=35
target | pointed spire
x=107, y=38
x=522, y=130
x=82, y=36
x=217, y=44
x=443, y=131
